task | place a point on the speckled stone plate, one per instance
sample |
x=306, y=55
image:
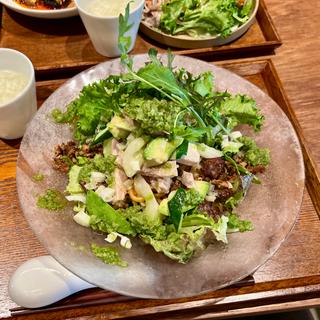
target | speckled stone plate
x=188, y=42
x=273, y=206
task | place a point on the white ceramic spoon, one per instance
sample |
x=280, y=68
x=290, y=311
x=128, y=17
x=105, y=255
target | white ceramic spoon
x=42, y=281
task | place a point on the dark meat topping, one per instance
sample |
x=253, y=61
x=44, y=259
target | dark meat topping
x=44, y=4
x=224, y=194
x=183, y=167
x=176, y=184
x=213, y=168
x=212, y=209
x=257, y=169
x=56, y=3
x=66, y=154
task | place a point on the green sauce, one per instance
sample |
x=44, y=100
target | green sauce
x=108, y=255
x=153, y=115
x=258, y=156
x=38, y=177
x=253, y=154
x=52, y=199
x=101, y=164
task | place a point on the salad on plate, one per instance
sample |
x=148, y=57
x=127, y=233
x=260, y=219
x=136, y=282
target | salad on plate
x=158, y=155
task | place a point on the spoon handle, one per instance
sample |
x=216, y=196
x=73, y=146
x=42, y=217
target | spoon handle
x=41, y=281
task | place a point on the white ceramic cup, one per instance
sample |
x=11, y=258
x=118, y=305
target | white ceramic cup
x=16, y=113
x=103, y=31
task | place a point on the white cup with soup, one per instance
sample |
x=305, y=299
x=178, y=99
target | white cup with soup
x=101, y=20
x=18, y=101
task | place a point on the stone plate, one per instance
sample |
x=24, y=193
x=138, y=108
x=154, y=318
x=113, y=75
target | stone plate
x=273, y=206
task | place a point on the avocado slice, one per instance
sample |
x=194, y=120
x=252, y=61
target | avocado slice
x=202, y=187
x=144, y=190
x=159, y=150
x=163, y=206
x=107, y=147
x=133, y=157
x=74, y=185
x=208, y=152
x=120, y=127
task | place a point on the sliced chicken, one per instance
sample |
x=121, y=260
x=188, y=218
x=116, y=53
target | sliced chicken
x=116, y=147
x=168, y=169
x=192, y=157
x=187, y=179
x=161, y=185
x=152, y=12
x=120, y=187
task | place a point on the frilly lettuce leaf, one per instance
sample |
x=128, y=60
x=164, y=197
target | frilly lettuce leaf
x=143, y=224
x=241, y=109
x=178, y=246
x=235, y=224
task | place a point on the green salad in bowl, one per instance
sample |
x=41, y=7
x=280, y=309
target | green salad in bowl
x=197, y=18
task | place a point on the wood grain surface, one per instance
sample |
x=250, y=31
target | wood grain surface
x=292, y=274
x=71, y=48
x=298, y=62
x=291, y=279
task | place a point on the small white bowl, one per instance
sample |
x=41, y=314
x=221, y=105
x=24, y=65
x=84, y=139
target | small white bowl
x=16, y=113
x=45, y=14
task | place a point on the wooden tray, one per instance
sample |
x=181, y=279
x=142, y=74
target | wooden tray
x=63, y=44
x=291, y=279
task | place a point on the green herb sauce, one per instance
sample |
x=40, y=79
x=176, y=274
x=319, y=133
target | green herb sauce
x=52, y=199
x=108, y=255
x=38, y=177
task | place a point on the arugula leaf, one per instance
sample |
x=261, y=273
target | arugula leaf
x=124, y=42
x=158, y=76
x=148, y=77
x=190, y=133
x=170, y=59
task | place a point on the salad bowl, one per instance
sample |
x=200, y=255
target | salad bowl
x=188, y=42
x=273, y=206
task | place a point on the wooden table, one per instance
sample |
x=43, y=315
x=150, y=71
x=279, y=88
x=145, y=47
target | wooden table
x=290, y=280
